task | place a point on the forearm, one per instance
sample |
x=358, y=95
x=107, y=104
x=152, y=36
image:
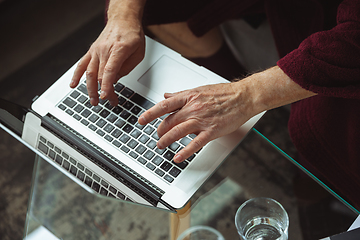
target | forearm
x=125, y=9
x=270, y=89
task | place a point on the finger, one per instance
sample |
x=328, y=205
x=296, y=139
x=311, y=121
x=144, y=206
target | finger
x=102, y=65
x=80, y=69
x=195, y=145
x=165, y=106
x=92, y=82
x=177, y=132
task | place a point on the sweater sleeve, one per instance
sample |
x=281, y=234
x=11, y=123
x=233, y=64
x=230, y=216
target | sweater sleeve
x=328, y=62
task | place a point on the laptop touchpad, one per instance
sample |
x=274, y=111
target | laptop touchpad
x=168, y=75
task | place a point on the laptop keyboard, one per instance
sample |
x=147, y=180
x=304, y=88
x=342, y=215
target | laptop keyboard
x=80, y=171
x=119, y=127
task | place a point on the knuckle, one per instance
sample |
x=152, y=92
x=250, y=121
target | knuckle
x=90, y=74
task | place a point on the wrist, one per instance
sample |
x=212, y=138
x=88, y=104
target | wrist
x=129, y=10
x=270, y=89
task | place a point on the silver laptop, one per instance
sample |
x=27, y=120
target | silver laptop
x=107, y=152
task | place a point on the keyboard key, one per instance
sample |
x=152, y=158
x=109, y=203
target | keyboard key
x=120, y=123
x=116, y=143
x=174, y=172
x=112, y=118
x=81, y=175
x=143, y=139
x=127, y=128
x=166, y=166
x=185, y=141
x=108, y=128
x=77, y=117
x=169, y=155
x=139, y=126
x=150, y=166
x=157, y=160
x=140, y=149
x=97, y=108
x=75, y=94
x=141, y=160
x=52, y=154
x=85, y=122
x=86, y=113
x=159, y=172
x=93, y=118
x=42, y=147
x=112, y=190
x=169, y=178
x=104, y=113
x=117, y=110
x=135, y=134
x=132, y=144
x=73, y=170
x=181, y=165
x=151, y=144
x=101, y=123
x=100, y=132
x=69, y=102
x=78, y=108
x=125, y=114
x=191, y=157
x=108, y=138
x=66, y=165
x=155, y=136
x=121, y=100
x=135, y=110
x=82, y=88
x=109, y=106
x=62, y=107
x=58, y=159
x=133, y=120
x=141, y=101
x=118, y=87
x=149, y=155
x=88, y=104
x=127, y=92
x=116, y=133
x=92, y=127
x=133, y=154
x=124, y=138
x=82, y=99
x=120, y=195
x=128, y=105
x=125, y=149
x=95, y=186
x=88, y=181
x=149, y=130
x=105, y=184
x=103, y=191
x=174, y=146
x=70, y=112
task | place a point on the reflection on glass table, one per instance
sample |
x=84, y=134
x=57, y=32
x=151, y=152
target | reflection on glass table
x=67, y=211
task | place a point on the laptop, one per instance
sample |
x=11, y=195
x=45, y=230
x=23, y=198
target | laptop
x=105, y=150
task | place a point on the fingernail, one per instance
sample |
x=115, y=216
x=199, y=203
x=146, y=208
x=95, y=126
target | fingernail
x=102, y=95
x=142, y=120
x=93, y=101
x=177, y=158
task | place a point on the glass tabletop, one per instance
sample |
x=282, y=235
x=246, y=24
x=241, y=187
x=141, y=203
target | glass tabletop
x=67, y=211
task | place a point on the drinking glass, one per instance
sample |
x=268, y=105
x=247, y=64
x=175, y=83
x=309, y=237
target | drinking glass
x=201, y=233
x=262, y=219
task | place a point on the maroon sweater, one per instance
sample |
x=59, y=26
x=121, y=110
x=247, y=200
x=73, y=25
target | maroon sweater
x=318, y=42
